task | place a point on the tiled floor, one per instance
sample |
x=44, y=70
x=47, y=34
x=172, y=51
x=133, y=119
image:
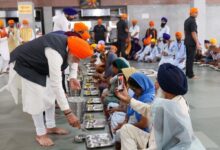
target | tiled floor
x=17, y=132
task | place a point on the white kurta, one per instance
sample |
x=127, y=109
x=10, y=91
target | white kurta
x=153, y=53
x=4, y=54
x=36, y=98
x=170, y=54
x=179, y=50
x=163, y=30
x=61, y=23
x=133, y=30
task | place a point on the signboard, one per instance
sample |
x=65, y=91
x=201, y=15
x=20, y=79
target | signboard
x=25, y=9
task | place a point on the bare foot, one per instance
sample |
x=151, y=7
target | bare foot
x=44, y=140
x=195, y=77
x=56, y=130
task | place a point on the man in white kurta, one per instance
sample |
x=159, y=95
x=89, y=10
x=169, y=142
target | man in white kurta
x=37, y=97
x=167, y=55
x=61, y=21
x=134, y=30
x=179, y=49
x=164, y=28
x=153, y=52
x=4, y=50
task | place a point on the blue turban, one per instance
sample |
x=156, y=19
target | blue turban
x=166, y=36
x=164, y=19
x=69, y=11
x=172, y=79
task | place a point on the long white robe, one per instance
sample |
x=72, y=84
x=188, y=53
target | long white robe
x=4, y=54
x=36, y=98
x=171, y=124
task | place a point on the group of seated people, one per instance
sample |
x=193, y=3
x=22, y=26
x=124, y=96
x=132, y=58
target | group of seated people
x=144, y=115
x=174, y=52
x=164, y=51
x=211, y=56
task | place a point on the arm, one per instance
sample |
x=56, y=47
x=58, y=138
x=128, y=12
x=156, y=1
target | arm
x=140, y=107
x=73, y=66
x=143, y=123
x=137, y=31
x=193, y=29
x=195, y=37
x=55, y=62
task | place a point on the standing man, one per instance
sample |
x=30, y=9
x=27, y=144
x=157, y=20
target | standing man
x=164, y=28
x=122, y=34
x=37, y=66
x=13, y=35
x=191, y=41
x=4, y=51
x=61, y=21
x=26, y=32
x=99, y=31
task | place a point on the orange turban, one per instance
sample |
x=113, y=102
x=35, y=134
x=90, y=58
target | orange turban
x=101, y=48
x=124, y=16
x=1, y=23
x=25, y=22
x=80, y=27
x=151, y=23
x=194, y=10
x=178, y=34
x=79, y=48
x=134, y=21
x=11, y=21
x=147, y=41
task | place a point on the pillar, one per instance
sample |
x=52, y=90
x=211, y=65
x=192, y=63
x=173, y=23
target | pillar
x=48, y=19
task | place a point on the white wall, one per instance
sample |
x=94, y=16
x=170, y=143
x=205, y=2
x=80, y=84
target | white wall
x=176, y=15
x=213, y=22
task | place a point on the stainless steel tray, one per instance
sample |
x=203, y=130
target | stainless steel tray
x=89, y=86
x=93, y=101
x=94, y=107
x=99, y=140
x=94, y=124
x=90, y=79
x=88, y=116
x=90, y=73
x=91, y=92
x=148, y=72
